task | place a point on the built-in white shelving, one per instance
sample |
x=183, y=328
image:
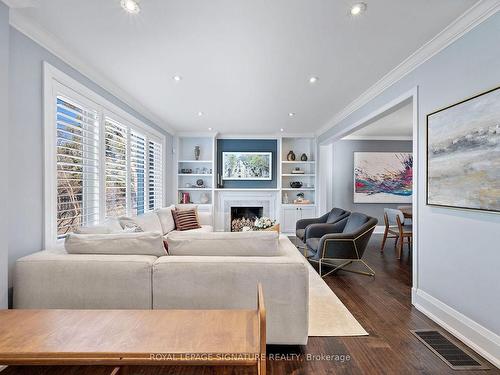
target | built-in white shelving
x=199, y=169
x=189, y=171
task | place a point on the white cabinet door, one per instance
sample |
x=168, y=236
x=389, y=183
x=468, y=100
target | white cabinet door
x=307, y=212
x=289, y=216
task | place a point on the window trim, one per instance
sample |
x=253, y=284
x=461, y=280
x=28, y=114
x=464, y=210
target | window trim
x=55, y=82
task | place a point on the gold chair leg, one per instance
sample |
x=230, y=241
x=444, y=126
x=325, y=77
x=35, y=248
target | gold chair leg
x=343, y=265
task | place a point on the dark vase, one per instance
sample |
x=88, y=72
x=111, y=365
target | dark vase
x=303, y=157
x=290, y=156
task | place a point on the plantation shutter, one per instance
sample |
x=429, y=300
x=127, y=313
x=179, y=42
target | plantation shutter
x=137, y=172
x=77, y=158
x=155, y=176
x=116, y=141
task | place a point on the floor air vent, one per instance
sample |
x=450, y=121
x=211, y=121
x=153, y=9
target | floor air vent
x=451, y=352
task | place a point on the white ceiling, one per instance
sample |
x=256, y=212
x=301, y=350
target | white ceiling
x=245, y=64
x=397, y=123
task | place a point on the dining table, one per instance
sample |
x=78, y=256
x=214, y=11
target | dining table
x=407, y=211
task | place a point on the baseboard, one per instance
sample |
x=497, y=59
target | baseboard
x=474, y=335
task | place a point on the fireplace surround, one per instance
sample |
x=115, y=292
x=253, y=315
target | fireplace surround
x=244, y=216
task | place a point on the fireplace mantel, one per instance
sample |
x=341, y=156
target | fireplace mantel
x=227, y=198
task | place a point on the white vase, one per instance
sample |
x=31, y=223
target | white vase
x=204, y=198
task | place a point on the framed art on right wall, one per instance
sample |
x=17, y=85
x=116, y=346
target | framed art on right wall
x=463, y=154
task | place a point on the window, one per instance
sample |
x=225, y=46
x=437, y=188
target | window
x=155, y=175
x=138, y=172
x=116, y=168
x=99, y=161
x=77, y=145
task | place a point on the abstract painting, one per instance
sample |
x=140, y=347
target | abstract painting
x=463, y=154
x=383, y=177
x=247, y=165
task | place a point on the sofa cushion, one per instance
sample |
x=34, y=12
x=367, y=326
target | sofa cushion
x=223, y=243
x=54, y=279
x=142, y=243
x=166, y=219
x=186, y=219
x=148, y=222
x=110, y=225
x=203, y=229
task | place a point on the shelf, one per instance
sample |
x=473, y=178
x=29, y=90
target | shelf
x=300, y=189
x=195, y=189
x=195, y=174
x=246, y=189
x=298, y=205
x=194, y=161
x=198, y=204
x=298, y=175
x=298, y=162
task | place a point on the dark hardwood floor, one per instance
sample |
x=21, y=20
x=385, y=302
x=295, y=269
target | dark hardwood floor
x=382, y=306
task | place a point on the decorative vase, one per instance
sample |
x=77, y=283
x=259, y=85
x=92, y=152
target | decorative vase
x=303, y=157
x=290, y=156
x=199, y=182
x=197, y=152
x=204, y=198
x=285, y=199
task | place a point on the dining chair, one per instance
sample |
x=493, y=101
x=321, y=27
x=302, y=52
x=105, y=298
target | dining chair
x=391, y=226
x=405, y=231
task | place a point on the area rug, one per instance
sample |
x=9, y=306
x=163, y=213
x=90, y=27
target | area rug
x=327, y=314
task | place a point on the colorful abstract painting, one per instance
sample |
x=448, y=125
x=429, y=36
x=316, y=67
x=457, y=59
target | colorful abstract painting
x=383, y=177
x=463, y=165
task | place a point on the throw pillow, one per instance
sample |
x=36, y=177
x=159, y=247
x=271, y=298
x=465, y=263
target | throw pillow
x=186, y=219
x=148, y=222
x=166, y=219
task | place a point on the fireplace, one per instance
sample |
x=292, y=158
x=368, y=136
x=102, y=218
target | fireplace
x=244, y=216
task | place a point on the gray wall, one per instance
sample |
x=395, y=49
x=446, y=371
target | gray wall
x=343, y=179
x=4, y=142
x=26, y=129
x=452, y=241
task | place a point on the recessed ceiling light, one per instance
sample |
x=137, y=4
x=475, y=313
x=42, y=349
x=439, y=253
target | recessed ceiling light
x=313, y=79
x=291, y=114
x=282, y=130
x=177, y=78
x=131, y=6
x=210, y=129
x=200, y=113
x=358, y=8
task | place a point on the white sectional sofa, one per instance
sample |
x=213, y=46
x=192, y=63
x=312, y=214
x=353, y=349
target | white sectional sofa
x=204, y=270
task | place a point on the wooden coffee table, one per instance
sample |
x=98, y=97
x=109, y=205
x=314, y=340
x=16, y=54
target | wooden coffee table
x=134, y=337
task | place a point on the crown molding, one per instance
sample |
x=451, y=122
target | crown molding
x=474, y=16
x=54, y=46
x=376, y=138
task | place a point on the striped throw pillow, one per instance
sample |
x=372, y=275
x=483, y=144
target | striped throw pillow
x=186, y=219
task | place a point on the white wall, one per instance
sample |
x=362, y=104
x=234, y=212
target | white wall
x=459, y=250
x=4, y=68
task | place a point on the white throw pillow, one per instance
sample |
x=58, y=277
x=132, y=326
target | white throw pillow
x=166, y=219
x=110, y=225
x=148, y=222
x=143, y=243
x=224, y=243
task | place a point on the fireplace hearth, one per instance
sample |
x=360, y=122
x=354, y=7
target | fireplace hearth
x=244, y=216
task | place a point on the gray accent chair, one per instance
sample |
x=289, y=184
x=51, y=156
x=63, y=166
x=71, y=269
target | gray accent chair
x=344, y=244
x=322, y=223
